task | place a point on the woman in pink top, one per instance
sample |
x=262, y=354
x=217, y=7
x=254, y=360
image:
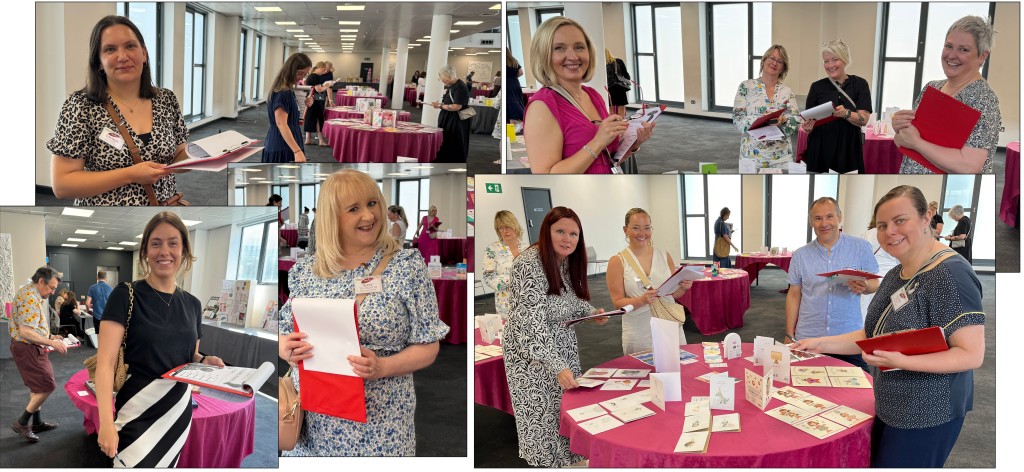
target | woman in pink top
x=561, y=139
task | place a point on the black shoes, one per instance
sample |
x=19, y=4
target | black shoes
x=25, y=432
x=38, y=428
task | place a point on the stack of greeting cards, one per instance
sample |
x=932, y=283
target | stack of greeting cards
x=713, y=355
x=610, y=414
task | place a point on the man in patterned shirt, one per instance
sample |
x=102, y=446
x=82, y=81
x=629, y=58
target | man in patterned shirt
x=30, y=340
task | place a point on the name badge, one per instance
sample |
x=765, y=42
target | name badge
x=368, y=285
x=899, y=299
x=112, y=138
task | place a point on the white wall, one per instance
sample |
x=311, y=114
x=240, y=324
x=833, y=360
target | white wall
x=28, y=241
x=448, y=192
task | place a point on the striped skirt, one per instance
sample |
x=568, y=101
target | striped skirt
x=153, y=418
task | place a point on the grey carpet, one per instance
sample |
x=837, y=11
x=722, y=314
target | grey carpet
x=495, y=440
x=68, y=446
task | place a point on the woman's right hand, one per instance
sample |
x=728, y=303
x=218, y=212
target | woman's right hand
x=300, y=156
x=108, y=440
x=566, y=380
x=808, y=125
x=650, y=295
x=814, y=345
x=902, y=119
x=610, y=128
x=147, y=173
x=293, y=349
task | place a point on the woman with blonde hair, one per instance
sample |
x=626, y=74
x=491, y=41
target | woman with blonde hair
x=151, y=416
x=399, y=222
x=399, y=328
x=937, y=222
x=284, y=138
x=314, y=122
x=499, y=255
x=838, y=145
x=761, y=96
x=455, y=146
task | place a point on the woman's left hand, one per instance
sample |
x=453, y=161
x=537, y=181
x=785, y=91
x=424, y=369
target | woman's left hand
x=840, y=112
x=602, y=320
x=908, y=137
x=643, y=133
x=891, y=359
x=214, y=361
x=857, y=286
x=685, y=285
x=367, y=366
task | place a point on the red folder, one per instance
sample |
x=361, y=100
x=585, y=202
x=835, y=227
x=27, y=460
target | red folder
x=909, y=343
x=852, y=273
x=827, y=119
x=343, y=396
x=763, y=120
x=944, y=121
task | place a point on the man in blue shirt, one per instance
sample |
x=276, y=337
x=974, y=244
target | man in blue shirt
x=817, y=306
x=97, y=297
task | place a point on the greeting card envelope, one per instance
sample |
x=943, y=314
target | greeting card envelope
x=698, y=422
x=814, y=370
x=788, y=393
x=600, y=424
x=632, y=413
x=909, y=343
x=693, y=442
x=588, y=383
x=944, y=121
x=813, y=403
x=726, y=423
x=764, y=119
x=819, y=427
x=599, y=373
x=837, y=371
x=789, y=414
x=619, y=384
x=811, y=381
x=846, y=416
x=849, y=382
x=632, y=373
x=343, y=396
x=586, y=412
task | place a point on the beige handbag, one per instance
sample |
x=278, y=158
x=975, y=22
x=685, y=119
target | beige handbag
x=120, y=368
x=289, y=413
x=666, y=310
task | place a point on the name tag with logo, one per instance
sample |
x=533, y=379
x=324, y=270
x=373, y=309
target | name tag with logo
x=112, y=138
x=368, y=285
x=899, y=299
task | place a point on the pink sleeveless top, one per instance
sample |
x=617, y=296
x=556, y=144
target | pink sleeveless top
x=577, y=130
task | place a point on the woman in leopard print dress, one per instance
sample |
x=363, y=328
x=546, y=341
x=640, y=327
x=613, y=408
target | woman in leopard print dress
x=91, y=162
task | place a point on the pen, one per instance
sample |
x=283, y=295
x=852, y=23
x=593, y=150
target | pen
x=119, y=460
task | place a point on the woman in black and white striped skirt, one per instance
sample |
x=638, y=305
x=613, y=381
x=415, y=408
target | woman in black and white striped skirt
x=153, y=415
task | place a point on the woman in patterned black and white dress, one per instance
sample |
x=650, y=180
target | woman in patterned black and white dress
x=399, y=328
x=153, y=414
x=548, y=285
x=91, y=162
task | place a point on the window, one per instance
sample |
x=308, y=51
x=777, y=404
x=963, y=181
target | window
x=548, y=13
x=735, y=30
x=657, y=33
x=281, y=190
x=257, y=260
x=787, y=218
x=308, y=195
x=147, y=17
x=704, y=196
x=241, y=65
x=195, y=64
x=240, y=196
x=910, y=47
x=977, y=196
x=257, y=68
x=414, y=198
x=515, y=41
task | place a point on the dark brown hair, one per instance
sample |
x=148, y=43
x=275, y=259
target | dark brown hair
x=913, y=193
x=96, y=79
x=288, y=75
x=45, y=274
x=175, y=221
x=577, y=261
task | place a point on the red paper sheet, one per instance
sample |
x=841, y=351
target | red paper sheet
x=343, y=396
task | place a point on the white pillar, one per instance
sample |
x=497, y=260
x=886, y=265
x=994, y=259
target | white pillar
x=385, y=69
x=590, y=16
x=401, y=66
x=440, y=32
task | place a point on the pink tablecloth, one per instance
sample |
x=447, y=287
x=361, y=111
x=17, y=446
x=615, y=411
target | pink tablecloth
x=343, y=99
x=351, y=113
x=468, y=250
x=881, y=156
x=451, y=305
x=481, y=93
x=717, y=304
x=762, y=442
x=452, y=250
x=223, y=433
x=410, y=95
x=754, y=264
x=291, y=236
x=490, y=386
x=361, y=145
x=1009, y=207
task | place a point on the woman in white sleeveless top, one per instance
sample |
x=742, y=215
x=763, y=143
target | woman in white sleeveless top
x=626, y=288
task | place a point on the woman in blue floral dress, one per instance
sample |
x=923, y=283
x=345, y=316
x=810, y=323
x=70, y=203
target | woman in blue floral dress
x=763, y=95
x=399, y=328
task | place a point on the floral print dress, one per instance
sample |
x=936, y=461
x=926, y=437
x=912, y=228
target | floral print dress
x=497, y=262
x=752, y=102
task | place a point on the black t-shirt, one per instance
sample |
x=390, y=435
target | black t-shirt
x=313, y=80
x=937, y=220
x=161, y=336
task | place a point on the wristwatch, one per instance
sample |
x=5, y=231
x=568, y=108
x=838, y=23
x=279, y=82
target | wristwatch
x=848, y=113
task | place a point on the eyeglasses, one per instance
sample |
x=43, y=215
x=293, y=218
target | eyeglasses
x=774, y=60
x=637, y=229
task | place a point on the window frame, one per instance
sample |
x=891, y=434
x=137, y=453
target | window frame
x=709, y=219
x=241, y=71
x=155, y=51
x=542, y=11
x=265, y=251
x=752, y=56
x=257, y=65
x=194, y=115
x=769, y=194
x=654, y=41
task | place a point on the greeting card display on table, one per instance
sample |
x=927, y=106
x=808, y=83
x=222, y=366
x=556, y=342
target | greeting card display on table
x=797, y=356
x=726, y=423
x=815, y=370
x=699, y=422
x=838, y=371
x=819, y=427
x=732, y=346
x=665, y=387
x=645, y=383
x=846, y=416
x=776, y=358
x=813, y=403
x=811, y=381
x=760, y=344
x=787, y=394
x=385, y=118
x=600, y=424
x=849, y=382
x=490, y=327
x=585, y=412
x=631, y=399
x=588, y=383
x=789, y=414
x=364, y=104
x=619, y=384
x=492, y=350
x=706, y=378
x=632, y=413
x=758, y=387
x=632, y=373
x=599, y=373
x=723, y=392
x=693, y=442
x=697, y=406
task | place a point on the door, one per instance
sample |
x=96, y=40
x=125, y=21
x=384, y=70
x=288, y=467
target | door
x=112, y=274
x=366, y=71
x=536, y=204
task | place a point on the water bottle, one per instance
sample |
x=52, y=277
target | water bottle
x=434, y=267
x=460, y=271
x=714, y=269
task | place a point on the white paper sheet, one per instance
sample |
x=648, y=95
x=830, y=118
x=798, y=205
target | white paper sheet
x=330, y=326
x=666, y=387
x=665, y=345
x=767, y=133
x=586, y=412
x=681, y=274
x=824, y=110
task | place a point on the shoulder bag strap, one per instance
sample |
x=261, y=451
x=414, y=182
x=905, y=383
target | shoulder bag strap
x=935, y=260
x=132, y=148
x=131, y=306
x=376, y=272
x=836, y=85
x=566, y=95
x=627, y=256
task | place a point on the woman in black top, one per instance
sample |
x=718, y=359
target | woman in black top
x=937, y=222
x=68, y=310
x=962, y=232
x=153, y=414
x=455, y=147
x=315, y=113
x=615, y=68
x=837, y=145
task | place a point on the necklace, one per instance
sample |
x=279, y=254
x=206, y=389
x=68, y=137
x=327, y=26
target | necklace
x=120, y=104
x=169, y=299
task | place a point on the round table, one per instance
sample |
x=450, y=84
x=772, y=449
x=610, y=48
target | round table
x=410, y=95
x=717, y=304
x=490, y=386
x=452, y=250
x=291, y=236
x=483, y=121
x=344, y=99
x=351, y=141
x=881, y=156
x=753, y=263
x=451, y=306
x=762, y=442
x=468, y=251
x=481, y=92
x=222, y=432
x=1009, y=207
x=351, y=114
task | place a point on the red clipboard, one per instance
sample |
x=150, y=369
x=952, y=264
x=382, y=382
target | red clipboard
x=909, y=343
x=763, y=120
x=851, y=273
x=944, y=121
x=343, y=396
x=827, y=119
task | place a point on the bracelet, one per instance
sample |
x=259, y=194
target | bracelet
x=591, y=151
x=201, y=359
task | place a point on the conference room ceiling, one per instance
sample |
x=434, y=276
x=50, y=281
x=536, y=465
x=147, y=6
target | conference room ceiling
x=381, y=24
x=278, y=174
x=115, y=225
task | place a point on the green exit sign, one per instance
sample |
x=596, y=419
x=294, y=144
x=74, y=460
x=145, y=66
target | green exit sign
x=493, y=188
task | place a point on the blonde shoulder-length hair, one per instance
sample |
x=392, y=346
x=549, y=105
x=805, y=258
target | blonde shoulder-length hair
x=339, y=189
x=540, y=51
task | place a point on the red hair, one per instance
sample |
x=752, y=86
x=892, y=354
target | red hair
x=577, y=261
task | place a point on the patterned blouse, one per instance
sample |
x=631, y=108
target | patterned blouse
x=751, y=103
x=981, y=97
x=497, y=262
x=31, y=311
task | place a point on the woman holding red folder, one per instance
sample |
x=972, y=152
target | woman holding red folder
x=837, y=145
x=761, y=96
x=968, y=44
x=399, y=328
x=921, y=407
